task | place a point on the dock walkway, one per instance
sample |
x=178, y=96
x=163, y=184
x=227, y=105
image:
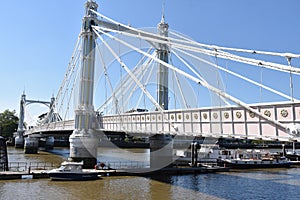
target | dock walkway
x=35, y=174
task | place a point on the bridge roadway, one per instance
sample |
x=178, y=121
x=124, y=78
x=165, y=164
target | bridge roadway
x=226, y=122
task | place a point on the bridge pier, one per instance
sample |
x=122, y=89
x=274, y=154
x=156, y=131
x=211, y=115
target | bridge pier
x=83, y=147
x=49, y=142
x=19, y=141
x=31, y=145
x=161, y=151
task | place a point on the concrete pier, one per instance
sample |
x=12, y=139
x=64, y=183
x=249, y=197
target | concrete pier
x=49, y=142
x=31, y=145
x=83, y=147
x=161, y=151
x=19, y=141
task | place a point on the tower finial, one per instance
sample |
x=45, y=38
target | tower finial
x=163, y=13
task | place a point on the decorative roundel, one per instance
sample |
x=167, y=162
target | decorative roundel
x=187, y=116
x=148, y=117
x=138, y=118
x=195, y=116
x=226, y=115
x=133, y=118
x=215, y=115
x=159, y=117
x=153, y=118
x=251, y=114
x=172, y=117
x=179, y=116
x=143, y=118
x=204, y=115
x=238, y=114
x=267, y=113
x=284, y=113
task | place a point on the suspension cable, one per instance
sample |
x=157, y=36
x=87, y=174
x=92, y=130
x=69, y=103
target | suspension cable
x=198, y=81
x=291, y=79
x=167, y=40
x=158, y=107
x=70, y=66
x=261, y=81
x=118, y=89
x=235, y=74
x=187, y=41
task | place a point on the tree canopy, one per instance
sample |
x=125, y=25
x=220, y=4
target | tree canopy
x=8, y=123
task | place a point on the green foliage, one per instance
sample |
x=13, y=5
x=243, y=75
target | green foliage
x=8, y=123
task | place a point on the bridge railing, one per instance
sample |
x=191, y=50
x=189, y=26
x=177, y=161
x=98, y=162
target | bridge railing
x=232, y=121
x=54, y=126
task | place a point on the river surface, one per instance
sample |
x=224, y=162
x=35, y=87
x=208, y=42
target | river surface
x=270, y=184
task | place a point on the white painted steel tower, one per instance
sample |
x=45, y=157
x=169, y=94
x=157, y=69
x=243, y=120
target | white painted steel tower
x=83, y=141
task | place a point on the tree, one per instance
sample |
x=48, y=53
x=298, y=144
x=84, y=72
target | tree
x=8, y=123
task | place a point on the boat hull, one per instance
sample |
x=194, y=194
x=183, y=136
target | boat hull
x=253, y=164
x=73, y=176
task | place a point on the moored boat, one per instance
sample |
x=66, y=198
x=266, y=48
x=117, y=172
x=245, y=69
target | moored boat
x=72, y=171
x=255, y=159
x=293, y=156
x=248, y=163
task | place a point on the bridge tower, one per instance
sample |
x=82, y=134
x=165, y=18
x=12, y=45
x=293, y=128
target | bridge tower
x=83, y=141
x=30, y=144
x=19, y=140
x=161, y=145
x=163, y=73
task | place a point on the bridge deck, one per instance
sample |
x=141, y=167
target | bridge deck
x=235, y=122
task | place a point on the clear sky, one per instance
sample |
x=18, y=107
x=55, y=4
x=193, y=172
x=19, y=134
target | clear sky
x=37, y=37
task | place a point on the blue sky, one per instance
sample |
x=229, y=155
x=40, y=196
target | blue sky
x=37, y=37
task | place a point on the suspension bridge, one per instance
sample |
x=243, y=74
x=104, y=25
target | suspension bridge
x=161, y=84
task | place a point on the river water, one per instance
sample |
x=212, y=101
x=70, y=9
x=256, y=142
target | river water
x=250, y=184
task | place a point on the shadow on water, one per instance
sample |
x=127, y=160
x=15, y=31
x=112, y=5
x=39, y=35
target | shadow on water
x=61, y=151
x=252, y=184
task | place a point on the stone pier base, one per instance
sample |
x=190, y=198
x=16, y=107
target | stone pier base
x=19, y=142
x=31, y=145
x=83, y=147
x=49, y=142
